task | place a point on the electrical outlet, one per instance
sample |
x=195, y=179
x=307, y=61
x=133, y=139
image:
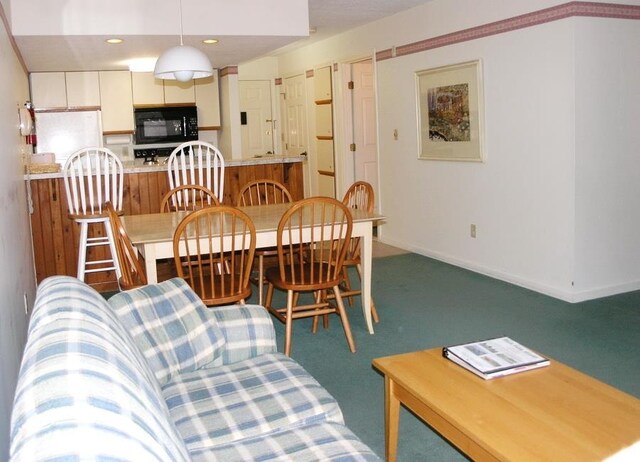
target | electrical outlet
x=472, y=230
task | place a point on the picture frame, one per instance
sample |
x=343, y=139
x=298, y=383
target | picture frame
x=451, y=113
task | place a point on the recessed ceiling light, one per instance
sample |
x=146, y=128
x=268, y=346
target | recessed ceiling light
x=210, y=41
x=114, y=41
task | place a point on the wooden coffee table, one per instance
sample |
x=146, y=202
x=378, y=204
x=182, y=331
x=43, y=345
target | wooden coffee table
x=552, y=413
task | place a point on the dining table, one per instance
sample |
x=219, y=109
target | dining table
x=152, y=235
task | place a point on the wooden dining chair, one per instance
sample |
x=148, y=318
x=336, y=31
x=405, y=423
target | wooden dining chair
x=93, y=176
x=188, y=198
x=360, y=195
x=197, y=163
x=132, y=271
x=316, y=232
x=263, y=192
x=213, y=250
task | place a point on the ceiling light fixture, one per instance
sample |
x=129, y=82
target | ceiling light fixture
x=210, y=41
x=183, y=62
x=114, y=41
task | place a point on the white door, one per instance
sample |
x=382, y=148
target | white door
x=256, y=120
x=296, y=126
x=364, y=123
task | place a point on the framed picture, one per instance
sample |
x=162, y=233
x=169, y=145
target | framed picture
x=450, y=113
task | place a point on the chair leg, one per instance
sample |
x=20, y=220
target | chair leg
x=374, y=312
x=347, y=282
x=260, y=278
x=345, y=320
x=269, y=298
x=325, y=318
x=314, y=325
x=288, y=323
x=112, y=248
x=82, y=249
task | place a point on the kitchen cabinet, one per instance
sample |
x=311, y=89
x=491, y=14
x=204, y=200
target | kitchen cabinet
x=176, y=92
x=116, y=102
x=55, y=235
x=147, y=90
x=116, y=93
x=48, y=90
x=62, y=90
x=207, y=97
x=83, y=89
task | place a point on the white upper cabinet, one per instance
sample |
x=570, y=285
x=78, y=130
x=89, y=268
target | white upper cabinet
x=207, y=96
x=62, y=90
x=116, y=93
x=116, y=101
x=48, y=90
x=147, y=90
x=176, y=92
x=83, y=89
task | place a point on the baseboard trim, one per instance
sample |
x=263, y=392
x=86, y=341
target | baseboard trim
x=567, y=296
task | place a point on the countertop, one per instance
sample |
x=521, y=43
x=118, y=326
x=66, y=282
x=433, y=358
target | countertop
x=139, y=167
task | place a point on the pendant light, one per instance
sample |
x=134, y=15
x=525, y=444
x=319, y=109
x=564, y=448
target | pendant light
x=183, y=62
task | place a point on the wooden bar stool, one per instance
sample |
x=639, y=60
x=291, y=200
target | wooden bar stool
x=199, y=163
x=93, y=176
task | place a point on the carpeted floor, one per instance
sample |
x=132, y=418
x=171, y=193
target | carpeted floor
x=424, y=303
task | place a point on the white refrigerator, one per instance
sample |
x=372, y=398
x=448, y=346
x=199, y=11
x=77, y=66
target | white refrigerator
x=63, y=133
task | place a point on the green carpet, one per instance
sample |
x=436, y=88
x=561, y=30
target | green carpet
x=424, y=303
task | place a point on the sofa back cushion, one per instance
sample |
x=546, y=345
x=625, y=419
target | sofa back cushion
x=172, y=327
x=84, y=391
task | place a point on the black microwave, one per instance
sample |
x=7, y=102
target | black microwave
x=166, y=124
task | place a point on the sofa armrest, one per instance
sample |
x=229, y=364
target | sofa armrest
x=248, y=331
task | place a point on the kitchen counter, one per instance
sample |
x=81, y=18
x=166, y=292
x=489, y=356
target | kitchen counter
x=55, y=236
x=138, y=166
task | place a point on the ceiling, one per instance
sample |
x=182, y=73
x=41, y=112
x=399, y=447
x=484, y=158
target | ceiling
x=56, y=52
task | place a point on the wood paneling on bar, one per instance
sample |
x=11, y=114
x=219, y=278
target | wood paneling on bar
x=55, y=236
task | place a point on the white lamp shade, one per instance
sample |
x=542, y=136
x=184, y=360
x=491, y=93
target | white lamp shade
x=182, y=63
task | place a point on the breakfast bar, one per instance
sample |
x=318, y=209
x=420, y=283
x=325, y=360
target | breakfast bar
x=55, y=236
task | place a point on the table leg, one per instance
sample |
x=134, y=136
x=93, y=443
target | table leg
x=391, y=420
x=150, y=264
x=366, y=251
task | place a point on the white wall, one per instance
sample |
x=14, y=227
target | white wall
x=555, y=208
x=521, y=197
x=608, y=156
x=16, y=257
x=229, y=137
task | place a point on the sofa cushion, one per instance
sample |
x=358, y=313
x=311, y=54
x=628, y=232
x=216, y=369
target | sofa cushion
x=84, y=391
x=321, y=442
x=174, y=330
x=245, y=399
x=248, y=331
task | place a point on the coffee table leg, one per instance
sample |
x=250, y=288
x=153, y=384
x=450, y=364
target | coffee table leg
x=391, y=419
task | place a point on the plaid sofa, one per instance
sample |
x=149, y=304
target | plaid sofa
x=153, y=375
